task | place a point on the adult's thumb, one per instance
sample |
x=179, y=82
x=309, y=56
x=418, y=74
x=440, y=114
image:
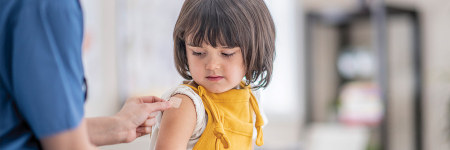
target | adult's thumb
x=158, y=106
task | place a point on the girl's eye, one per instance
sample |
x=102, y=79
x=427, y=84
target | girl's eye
x=227, y=55
x=196, y=54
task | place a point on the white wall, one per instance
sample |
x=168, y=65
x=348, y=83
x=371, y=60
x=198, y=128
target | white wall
x=285, y=95
x=99, y=58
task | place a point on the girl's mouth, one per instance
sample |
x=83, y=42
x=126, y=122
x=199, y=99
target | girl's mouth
x=214, y=78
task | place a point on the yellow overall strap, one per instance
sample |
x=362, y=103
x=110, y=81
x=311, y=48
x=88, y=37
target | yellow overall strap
x=219, y=132
x=259, y=120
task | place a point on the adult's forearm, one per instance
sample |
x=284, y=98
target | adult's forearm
x=73, y=139
x=135, y=119
x=105, y=130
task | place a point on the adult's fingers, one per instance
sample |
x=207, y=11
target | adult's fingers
x=152, y=115
x=158, y=106
x=151, y=99
x=138, y=134
x=144, y=130
x=149, y=122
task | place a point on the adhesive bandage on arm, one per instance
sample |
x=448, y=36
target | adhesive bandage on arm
x=176, y=102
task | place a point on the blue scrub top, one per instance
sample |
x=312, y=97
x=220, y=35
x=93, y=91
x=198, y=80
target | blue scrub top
x=41, y=72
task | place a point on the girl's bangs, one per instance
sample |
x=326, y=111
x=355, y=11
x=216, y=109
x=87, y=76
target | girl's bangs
x=206, y=28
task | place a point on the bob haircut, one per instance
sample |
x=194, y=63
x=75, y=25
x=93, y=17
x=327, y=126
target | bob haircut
x=232, y=23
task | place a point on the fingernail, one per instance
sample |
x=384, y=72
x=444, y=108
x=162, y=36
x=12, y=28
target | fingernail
x=169, y=103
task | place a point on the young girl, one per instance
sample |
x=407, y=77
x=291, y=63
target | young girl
x=221, y=47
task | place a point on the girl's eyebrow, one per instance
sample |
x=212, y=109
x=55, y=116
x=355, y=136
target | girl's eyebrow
x=192, y=45
x=227, y=47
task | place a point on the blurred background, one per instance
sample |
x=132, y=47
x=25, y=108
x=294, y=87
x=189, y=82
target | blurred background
x=348, y=75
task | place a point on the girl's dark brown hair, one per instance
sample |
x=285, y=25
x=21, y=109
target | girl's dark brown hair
x=233, y=23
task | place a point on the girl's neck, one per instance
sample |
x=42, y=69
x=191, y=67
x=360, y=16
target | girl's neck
x=194, y=84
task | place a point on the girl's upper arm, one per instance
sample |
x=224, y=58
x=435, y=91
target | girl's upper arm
x=177, y=125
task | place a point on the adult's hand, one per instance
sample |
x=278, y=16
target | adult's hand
x=134, y=120
x=139, y=113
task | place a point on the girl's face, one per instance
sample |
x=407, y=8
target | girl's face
x=217, y=69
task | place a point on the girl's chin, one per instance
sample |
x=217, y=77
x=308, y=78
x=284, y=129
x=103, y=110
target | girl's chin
x=216, y=89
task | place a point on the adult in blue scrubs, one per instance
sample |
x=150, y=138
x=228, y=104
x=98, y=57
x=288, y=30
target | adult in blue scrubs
x=42, y=86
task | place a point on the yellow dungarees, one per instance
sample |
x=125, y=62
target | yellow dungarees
x=229, y=119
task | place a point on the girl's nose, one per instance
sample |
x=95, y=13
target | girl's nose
x=212, y=64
